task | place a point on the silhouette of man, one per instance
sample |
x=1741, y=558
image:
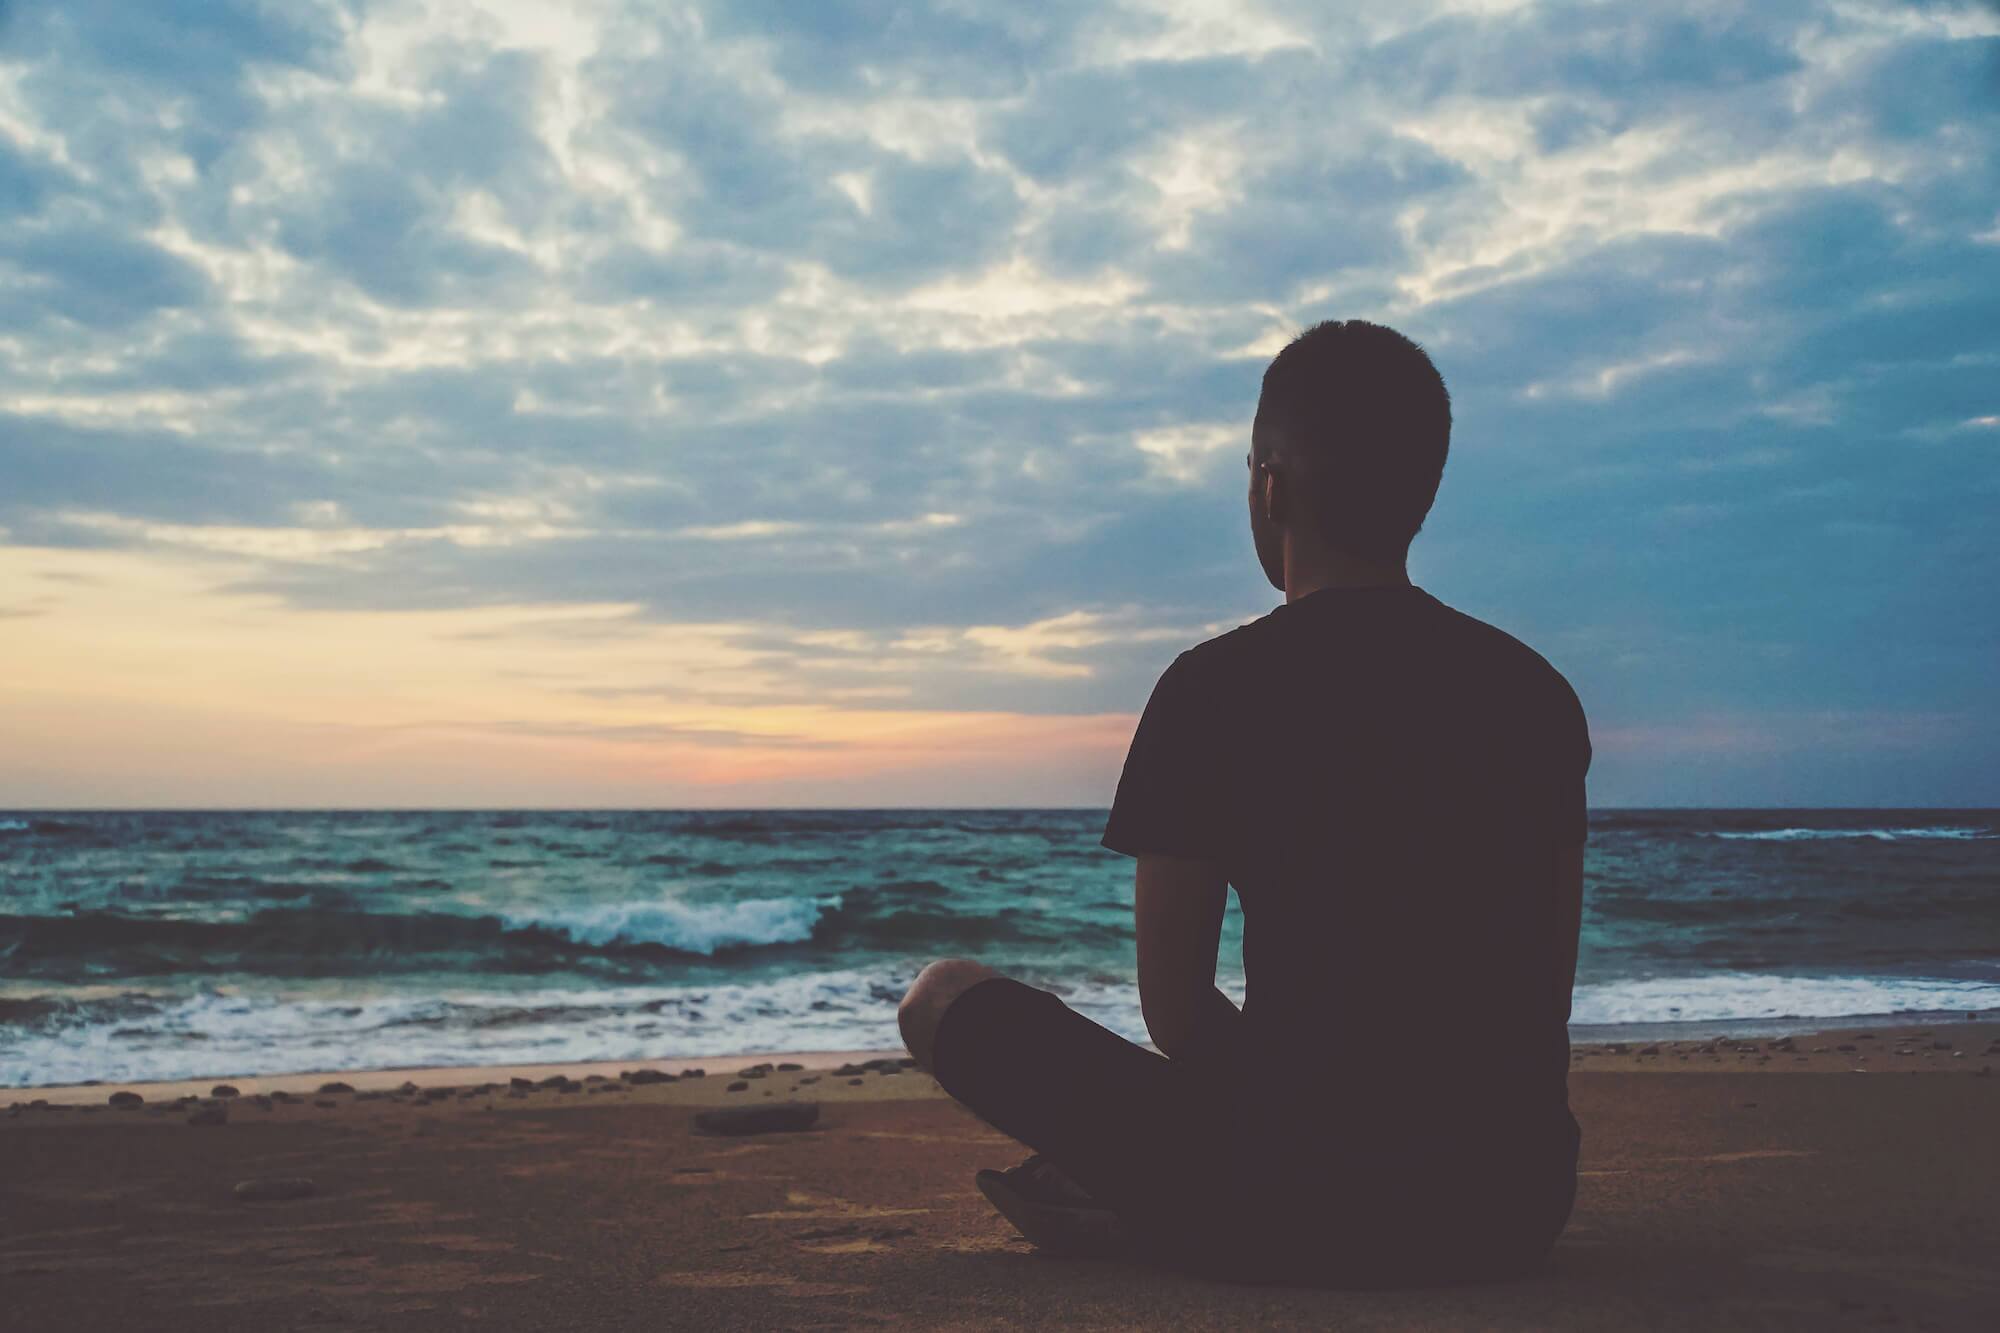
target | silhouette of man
x=1396, y=792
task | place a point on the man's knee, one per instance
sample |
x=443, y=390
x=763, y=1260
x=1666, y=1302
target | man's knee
x=930, y=995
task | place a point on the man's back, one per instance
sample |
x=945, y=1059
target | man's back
x=1387, y=782
x=1395, y=790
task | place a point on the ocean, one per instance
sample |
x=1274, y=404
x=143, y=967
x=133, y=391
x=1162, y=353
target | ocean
x=164, y=945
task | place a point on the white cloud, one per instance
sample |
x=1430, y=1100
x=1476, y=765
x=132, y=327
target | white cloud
x=929, y=343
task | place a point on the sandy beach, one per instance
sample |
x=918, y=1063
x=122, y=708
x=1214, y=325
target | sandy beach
x=1744, y=1184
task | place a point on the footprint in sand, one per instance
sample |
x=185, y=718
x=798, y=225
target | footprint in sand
x=982, y=1140
x=859, y=1245
x=777, y=1283
x=849, y=1239
x=806, y=1206
x=992, y=1244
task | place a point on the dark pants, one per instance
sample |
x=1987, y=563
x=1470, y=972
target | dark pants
x=1169, y=1146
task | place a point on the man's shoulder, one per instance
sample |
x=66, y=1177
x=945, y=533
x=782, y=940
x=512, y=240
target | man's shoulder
x=1484, y=635
x=1219, y=653
x=1486, y=646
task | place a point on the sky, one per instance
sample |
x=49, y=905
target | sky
x=753, y=403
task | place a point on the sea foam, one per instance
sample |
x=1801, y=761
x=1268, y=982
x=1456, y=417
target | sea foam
x=1878, y=834
x=1740, y=997
x=703, y=928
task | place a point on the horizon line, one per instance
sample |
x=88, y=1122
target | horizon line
x=6, y=811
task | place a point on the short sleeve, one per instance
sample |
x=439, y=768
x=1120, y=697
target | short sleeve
x=1571, y=813
x=1173, y=794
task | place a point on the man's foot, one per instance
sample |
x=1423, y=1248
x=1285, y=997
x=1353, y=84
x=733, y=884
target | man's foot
x=1053, y=1211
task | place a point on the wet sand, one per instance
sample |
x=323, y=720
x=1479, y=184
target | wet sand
x=1725, y=1185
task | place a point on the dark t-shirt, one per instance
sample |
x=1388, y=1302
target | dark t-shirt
x=1386, y=781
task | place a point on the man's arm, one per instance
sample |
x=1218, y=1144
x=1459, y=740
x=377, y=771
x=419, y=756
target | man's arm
x=1569, y=910
x=1177, y=907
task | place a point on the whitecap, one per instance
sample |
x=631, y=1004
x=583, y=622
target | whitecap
x=1878, y=834
x=703, y=928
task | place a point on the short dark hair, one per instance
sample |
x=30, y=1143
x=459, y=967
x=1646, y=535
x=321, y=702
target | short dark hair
x=1372, y=417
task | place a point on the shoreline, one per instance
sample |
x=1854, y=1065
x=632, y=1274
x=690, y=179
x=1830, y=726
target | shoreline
x=1974, y=1042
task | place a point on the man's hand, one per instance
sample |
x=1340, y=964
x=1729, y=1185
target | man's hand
x=1177, y=910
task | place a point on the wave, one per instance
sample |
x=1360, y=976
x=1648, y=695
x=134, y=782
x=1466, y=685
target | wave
x=46, y=827
x=242, y=924
x=330, y=941
x=224, y=1032
x=1740, y=997
x=1877, y=834
x=700, y=928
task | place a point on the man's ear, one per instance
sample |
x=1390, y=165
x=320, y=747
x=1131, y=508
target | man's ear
x=1277, y=496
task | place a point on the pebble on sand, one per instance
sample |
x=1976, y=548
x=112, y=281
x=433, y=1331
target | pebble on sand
x=738, y=1086
x=223, y=1090
x=779, y=1117
x=519, y=1084
x=328, y=1089
x=789, y=1068
x=274, y=1188
x=126, y=1101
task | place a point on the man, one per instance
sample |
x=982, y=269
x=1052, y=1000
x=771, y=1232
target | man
x=1396, y=792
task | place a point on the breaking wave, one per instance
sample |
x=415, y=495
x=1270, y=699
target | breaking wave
x=1877, y=834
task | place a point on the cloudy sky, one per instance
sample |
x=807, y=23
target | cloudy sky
x=845, y=403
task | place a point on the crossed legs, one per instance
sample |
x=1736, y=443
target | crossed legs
x=929, y=996
x=1122, y=1125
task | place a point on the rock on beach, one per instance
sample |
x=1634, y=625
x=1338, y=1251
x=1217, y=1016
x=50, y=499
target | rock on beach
x=779, y=1117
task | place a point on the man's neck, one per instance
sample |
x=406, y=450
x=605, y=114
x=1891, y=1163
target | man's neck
x=1307, y=572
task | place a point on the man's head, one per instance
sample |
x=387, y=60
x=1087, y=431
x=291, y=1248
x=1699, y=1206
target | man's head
x=1348, y=445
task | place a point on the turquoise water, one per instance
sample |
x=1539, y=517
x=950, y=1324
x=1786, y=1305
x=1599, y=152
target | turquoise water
x=164, y=945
